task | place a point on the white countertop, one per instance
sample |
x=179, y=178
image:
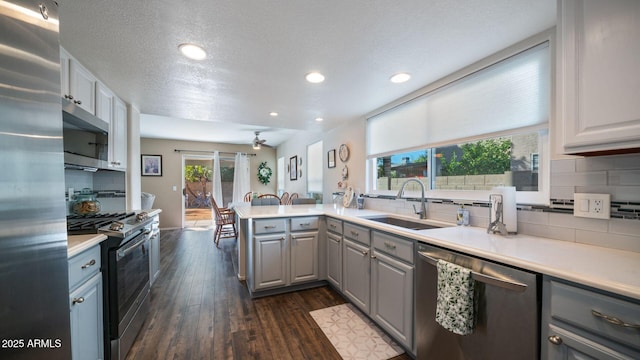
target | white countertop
x=607, y=269
x=79, y=243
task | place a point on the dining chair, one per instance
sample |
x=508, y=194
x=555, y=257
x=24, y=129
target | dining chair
x=284, y=198
x=303, y=201
x=266, y=201
x=225, y=223
x=293, y=196
x=269, y=196
x=248, y=196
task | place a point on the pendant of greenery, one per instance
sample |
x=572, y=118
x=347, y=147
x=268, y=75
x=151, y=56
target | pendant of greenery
x=264, y=173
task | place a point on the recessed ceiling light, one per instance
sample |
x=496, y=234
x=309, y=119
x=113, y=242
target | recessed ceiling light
x=400, y=78
x=192, y=51
x=314, y=77
x=319, y=119
x=273, y=113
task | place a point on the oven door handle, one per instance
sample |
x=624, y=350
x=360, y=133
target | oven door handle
x=487, y=279
x=127, y=251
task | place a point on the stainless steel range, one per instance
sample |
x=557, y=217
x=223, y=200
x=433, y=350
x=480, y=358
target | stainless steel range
x=125, y=259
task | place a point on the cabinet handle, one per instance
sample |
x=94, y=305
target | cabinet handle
x=555, y=339
x=77, y=102
x=70, y=97
x=614, y=320
x=79, y=300
x=374, y=257
x=305, y=224
x=389, y=245
x=269, y=226
x=354, y=233
x=90, y=263
x=365, y=253
x=332, y=226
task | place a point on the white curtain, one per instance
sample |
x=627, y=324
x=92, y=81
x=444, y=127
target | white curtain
x=241, y=179
x=217, y=180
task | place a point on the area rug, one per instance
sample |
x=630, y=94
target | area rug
x=353, y=335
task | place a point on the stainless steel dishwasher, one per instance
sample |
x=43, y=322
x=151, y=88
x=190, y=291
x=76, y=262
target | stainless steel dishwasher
x=507, y=315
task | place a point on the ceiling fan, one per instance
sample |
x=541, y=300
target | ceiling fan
x=257, y=143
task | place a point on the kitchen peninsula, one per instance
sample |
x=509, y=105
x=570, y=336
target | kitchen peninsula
x=610, y=270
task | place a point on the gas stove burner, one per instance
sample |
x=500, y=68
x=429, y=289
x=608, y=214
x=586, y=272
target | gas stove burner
x=116, y=226
x=90, y=223
x=142, y=217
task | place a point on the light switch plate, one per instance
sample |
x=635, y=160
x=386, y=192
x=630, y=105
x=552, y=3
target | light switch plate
x=596, y=206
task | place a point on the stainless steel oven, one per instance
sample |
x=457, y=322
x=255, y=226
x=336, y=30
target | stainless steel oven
x=126, y=286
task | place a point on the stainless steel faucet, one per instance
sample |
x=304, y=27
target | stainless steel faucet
x=423, y=206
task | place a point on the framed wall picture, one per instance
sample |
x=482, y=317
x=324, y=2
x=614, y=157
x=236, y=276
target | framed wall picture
x=151, y=165
x=293, y=168
x=331, y=158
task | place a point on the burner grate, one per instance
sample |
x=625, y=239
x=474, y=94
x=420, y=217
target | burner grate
x=89, y=224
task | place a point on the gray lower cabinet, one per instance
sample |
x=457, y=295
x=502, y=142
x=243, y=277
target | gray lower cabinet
x=304, y=256
x=583, y=323
x=378, y=277
x=284, y=252
x=334, y=252
x=85, y=305
x=392, y=296
x=356, y=276
x=334, y=260
x=270, y=261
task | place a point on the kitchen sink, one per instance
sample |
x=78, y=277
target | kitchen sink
x=407, y=224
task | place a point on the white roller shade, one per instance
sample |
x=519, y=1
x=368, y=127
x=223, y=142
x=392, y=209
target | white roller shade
x=402, y=127
x=510, y=94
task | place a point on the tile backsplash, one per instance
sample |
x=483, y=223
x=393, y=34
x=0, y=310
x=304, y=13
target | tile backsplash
x=110, y=186
x=616, y=175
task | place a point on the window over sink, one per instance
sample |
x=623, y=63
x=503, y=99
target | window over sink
x=479, y=128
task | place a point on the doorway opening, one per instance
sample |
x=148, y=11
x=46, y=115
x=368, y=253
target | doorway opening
x=197, y=189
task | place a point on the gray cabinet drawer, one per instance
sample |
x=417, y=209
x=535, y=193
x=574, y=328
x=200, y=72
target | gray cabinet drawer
x=357, y=233
x=575, y=306
x=334, y=225
x=400, y=248
x=83, y=266
x=304, y=223
x=269, y=226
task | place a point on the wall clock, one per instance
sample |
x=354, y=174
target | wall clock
x=343, y=152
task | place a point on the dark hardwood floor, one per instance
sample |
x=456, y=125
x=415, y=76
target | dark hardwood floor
x=199, y=309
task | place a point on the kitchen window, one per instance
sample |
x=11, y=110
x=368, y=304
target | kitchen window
x=482, y=127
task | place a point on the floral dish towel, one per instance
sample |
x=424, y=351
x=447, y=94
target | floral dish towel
x=455, y=307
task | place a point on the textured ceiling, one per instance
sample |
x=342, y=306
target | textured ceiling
x=259, y=51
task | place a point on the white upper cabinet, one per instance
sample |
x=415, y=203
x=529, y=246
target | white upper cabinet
x=78, y=85
x=598, y=76
x=105, y=102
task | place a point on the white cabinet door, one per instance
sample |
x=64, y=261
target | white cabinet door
x=334, y=259
x=82, y=87
x=65, y=59
x=356, y=275
x=104, y=102
x=392, y=297
x=304, y=256
x=118, y=136
x=270, y=267
x=598, y=76
x=87, y=341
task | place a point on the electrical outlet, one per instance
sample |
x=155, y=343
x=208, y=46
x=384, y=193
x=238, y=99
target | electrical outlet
x=597, y=206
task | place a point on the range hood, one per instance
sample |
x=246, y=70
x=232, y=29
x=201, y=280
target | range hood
x=75, y=117
x=85, y=139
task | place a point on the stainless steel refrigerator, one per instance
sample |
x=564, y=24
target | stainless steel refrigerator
x=34, y=310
